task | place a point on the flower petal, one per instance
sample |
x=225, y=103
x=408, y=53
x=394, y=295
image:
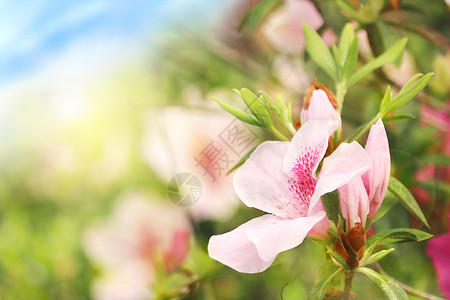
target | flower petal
x=308, y=147
x=346, y=162
x=320, y=230
x=235, y=249
x=437, y=250
x=274, y=234
x=320, y=107
x=376, y=179
x=261, y=183
x=354, y=202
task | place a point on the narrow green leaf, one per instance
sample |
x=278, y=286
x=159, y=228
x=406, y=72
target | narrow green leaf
x=387, y=98
x=388, y=203
x=337, y=257
x=398, y=118
x=257, y=107
x=319, y=52
x=408, y=92
x=437, y=159
x=276, y=107
x=319, y=290
x=240, y=114
x=331, y=204
x=406, y=199
x=389, y=56
x=345, y=42
x=386, y=284
x=241, y=161
x=396, y=236
x=350, y=62
x=378, y=256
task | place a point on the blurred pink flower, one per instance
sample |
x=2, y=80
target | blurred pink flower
x=363, y=195
x=130, y=245
x=284, y=29
x=174, y=142
x=280, y=178
x=440, y=119
x=437, y=250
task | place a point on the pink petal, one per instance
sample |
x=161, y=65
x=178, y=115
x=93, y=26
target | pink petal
x=354, y=202
x=235, y=249
x=274, y=234
x=320, y=107
x=307, y=148
x=346, y=162
x=320, y=230
x=376, y=179
x=261, y=183
x=437, y=250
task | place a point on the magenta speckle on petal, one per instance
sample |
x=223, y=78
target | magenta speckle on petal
x=303, y=182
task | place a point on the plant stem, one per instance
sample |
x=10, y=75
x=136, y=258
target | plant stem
x=407, y=288
x=365, y=128
x=341, y=90
x=348, y=285
x=278, y=134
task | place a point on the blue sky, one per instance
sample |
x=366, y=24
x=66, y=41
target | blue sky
x=35, y=32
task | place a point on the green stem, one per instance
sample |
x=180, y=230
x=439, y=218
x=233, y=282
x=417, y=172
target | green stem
x=341, y=90
x=364, y=129
x=278, y=134
x=348, y=285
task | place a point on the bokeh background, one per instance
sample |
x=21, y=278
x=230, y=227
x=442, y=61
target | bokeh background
x=103, y=102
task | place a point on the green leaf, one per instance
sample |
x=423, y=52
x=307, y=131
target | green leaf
x=437, y=159
x=408, y=92
x=345, y=42
x=255, y=16
x=382, y=37
x=319, y=290
x=406, y=199
x=257, y=107
x=396, y=236
x=386, y=284
x=350, y=62
x=378, y=256
x=398, y=118
x=319, y=52
x=240, y=114
x=389, y=56
x=387, y=98
x=241, y=161
x=331, y=204
x=337, y=257
x=388, y=203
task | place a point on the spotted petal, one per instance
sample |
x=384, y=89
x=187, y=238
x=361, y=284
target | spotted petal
x=346, y=162
x=261, y=183
x=308, y=147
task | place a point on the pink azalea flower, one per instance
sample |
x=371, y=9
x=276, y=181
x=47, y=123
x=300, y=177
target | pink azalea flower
x=140, y=237
x=363, y=195
x=317, y=105
x=437, y=250
x=280, y=178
